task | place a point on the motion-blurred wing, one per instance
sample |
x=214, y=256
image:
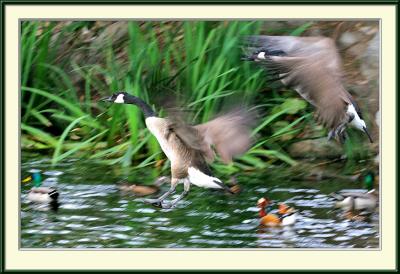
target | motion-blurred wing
x=311, y=66
x=230, y=134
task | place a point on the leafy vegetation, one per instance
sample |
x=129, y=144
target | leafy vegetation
x=68, y=66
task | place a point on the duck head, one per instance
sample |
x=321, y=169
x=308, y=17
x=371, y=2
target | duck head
x=263, y=203
x=36, y=177
x=369, y=179
x=283, y=208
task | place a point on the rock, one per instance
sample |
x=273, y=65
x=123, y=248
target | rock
x=370, y=60
x=378, y=123
x=378, y=118
x=316, y=148
x=348, y=38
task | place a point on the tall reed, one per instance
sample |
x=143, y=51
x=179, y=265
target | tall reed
x=68, y=66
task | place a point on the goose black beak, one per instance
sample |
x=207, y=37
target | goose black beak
x=106, y=99
x=369, y=136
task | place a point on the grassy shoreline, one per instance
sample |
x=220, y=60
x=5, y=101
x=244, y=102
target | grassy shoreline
x=68, y=66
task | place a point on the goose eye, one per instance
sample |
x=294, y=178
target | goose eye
x=351, y=117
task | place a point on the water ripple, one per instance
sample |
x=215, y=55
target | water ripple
x=93, y=214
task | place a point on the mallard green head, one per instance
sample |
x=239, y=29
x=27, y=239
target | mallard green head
x=369, y=179
x=36, y=177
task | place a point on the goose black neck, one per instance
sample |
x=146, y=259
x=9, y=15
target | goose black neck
x=146, y=109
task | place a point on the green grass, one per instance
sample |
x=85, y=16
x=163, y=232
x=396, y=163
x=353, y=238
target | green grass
x=64, y=73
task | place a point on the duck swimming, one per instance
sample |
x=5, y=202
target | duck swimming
x=143, y=190
x=286, y=215
x=190, y=148
x=358, y=203
x=39, y=194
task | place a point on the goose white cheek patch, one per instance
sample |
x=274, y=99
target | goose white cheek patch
x=261, y=55
x=120, y=99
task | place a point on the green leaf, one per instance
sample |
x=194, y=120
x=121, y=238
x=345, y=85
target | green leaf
x=77, y=147
x=294, y=105
x=40, y=135
x=301, y=29
x=62, y=138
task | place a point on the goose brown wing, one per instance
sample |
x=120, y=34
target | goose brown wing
x=186, y=133
x=322, y=88
x=311, y=66
x=287, y=45
x=230, y=134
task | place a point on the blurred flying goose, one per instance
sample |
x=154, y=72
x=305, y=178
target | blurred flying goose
x=39, y=194
x=311, y=66
x=189, y=148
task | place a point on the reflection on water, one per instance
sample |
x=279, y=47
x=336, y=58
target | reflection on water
x=94, y=214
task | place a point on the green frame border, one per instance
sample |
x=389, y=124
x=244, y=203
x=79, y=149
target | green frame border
x=4, y=3
x=196, y=2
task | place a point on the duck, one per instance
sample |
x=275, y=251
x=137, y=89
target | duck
x=39, y=194
x=143, y=190
x=312, y=67
x=286, y=215
x=190, y=148
x=358, y=203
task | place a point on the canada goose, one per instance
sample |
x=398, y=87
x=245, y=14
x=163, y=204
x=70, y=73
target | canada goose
x=311, y=66
x=39, y=194
x=189, y=148
x=286, y=215
x=358, y=202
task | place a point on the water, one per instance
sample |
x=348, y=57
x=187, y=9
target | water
x=94, y=213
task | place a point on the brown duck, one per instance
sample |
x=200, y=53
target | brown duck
x=143, y=190
x=189, y=148
x=312, y=67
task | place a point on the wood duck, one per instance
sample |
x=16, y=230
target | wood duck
x=286, y=215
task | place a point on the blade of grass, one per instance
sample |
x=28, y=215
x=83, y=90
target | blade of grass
x=77, y=147
x=60, y=142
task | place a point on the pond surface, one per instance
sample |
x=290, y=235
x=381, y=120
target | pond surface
x=94, y=213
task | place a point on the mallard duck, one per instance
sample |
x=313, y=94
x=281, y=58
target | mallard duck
x=358, y=203
x=143, y=190
x=190, y=148
x=312, y=67
x=40, y=194
x=286, y=215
